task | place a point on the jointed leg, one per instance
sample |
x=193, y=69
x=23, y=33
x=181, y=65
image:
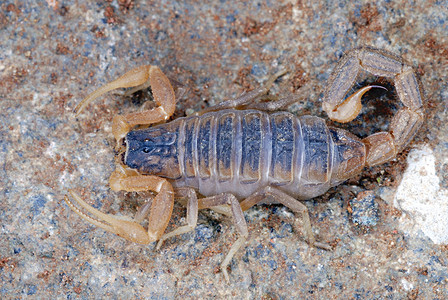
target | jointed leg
x=245, y=99
x=273, y=104
x=238, y=219
x=192, y=217
x=193, y=205
x=288, y=201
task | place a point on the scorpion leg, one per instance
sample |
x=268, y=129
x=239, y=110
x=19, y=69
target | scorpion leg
x=381, y=146
x=192, y=213
x=238, y=219
x=193, y=205
x=274, y=105
x=139, y=78
x=288, y=201
x=245, y=99
x=192, y=218
x=159, y=216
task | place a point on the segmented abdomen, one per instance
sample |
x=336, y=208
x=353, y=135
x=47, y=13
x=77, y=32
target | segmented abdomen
x=242, y=151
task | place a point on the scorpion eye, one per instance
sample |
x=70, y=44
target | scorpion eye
x=146, y=150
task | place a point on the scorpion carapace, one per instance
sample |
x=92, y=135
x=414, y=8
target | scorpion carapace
x=238, y=158
x=153, y=151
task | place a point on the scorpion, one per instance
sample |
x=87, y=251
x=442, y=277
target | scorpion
x=237, y=158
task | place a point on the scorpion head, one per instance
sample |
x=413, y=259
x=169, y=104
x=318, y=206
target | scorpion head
x=349, y=155
x=152, y=151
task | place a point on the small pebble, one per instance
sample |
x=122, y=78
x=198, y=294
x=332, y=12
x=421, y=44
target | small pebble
x=364, y=209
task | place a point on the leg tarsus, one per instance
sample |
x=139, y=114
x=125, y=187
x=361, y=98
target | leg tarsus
x=238, y=218
x=288, y=201
x=246, y=98
x=273, y=104
x=192, y=219
x=323, y=246
x=235, y=247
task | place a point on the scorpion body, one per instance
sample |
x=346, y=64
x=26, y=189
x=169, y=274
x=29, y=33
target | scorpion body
x=242, y=151
x=239, y=158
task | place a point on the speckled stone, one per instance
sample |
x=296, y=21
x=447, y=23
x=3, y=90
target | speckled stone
x=364, y=209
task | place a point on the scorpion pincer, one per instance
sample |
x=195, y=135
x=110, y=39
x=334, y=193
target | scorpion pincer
x=238, y=158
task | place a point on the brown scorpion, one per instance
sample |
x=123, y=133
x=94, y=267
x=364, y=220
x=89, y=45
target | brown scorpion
x=238, y=158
